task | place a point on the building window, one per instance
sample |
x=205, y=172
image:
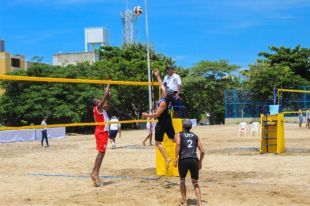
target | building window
x=15, y=62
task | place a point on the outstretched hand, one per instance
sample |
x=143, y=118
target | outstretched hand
x=144, y=114
x=155, y=72
x=107, y=91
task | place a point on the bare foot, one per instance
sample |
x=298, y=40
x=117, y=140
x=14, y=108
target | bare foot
x=167, y=163
x=95, y=179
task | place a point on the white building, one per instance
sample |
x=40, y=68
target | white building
x=95, y=37
x=64, y=59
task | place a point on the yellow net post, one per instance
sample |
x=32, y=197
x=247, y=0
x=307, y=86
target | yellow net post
x=272, y=133
x=169, y=146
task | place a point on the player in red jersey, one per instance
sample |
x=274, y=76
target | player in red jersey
x=100, y=107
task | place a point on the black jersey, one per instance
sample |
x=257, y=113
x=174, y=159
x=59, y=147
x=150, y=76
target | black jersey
x=188, y=145
x=165, y=115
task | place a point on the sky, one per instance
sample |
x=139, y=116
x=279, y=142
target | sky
x=189, y=31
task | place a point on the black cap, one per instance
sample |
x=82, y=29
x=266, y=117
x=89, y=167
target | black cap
x=170, y=67
x=169, y=93
x=187, y=124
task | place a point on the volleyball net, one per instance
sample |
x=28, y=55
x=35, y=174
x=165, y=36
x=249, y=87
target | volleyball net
x=293, y=100
x=68, y=93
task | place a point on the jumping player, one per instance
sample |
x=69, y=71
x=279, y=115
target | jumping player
x=164, y=124
x=187, y=159
x=100, y=106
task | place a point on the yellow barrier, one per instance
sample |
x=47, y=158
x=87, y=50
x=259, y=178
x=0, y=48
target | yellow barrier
x=272, y=133
x=293, y=112
x=293, y=90
x=169, y=146
x=76, y=81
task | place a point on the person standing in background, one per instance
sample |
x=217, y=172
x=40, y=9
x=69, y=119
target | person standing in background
x=300, y=117
x=114, y=129
x=44, y=132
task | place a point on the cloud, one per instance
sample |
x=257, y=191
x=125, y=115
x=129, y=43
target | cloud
x=244, y=25
x=180, y=57
x=36, y=37
x=57, y=2
x=269, y=5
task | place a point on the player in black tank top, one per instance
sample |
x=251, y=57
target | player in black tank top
x=187, y=159
x=164, y=124
x=188, y=145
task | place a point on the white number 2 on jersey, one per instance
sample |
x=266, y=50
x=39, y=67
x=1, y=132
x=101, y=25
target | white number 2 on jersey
x=189, y=143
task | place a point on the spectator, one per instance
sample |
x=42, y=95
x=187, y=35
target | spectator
x=44, y=132
x=114, y=129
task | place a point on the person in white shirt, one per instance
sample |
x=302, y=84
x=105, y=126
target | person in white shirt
x=114, y=129
x=173, y=81
x=44, y=132
x=150, y=127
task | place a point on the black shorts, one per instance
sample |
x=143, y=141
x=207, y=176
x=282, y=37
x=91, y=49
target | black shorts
x=112, y=134
x=162, y=128
x=191, y=165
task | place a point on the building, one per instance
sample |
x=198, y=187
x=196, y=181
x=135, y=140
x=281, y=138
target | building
x=64, y=59
x=9, y=62
x=95, y=37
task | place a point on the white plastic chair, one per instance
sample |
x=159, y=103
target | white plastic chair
x=242, y=128
x=255, y=128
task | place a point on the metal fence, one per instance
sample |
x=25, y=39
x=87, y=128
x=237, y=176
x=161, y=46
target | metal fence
x=240, y=103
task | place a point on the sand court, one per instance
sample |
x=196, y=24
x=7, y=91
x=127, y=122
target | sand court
x=234, y=173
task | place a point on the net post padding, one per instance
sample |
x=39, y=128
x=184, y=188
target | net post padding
x=169, y=146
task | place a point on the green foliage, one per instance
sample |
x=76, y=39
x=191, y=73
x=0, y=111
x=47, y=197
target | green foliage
x=203, y=88
x=25, y=103
x=297, y=59
x=203, y=85
x=262, y=78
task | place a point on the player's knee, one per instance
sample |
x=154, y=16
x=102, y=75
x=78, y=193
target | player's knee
x=182, y=180
x=195, y=184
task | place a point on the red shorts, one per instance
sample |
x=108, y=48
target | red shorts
x=101, y=140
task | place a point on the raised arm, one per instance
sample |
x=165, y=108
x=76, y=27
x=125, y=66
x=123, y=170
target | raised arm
x=104, y=100
x=160, y=109
x=161, y=85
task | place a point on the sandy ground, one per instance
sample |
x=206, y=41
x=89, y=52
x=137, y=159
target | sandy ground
x=234, y=173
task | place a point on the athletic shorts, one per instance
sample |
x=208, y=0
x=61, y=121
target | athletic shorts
x=150, y=131
x=308, y=120
x=101, y=140
x=113, y=134
x=191, y=165
x=176, y=103
x=162, y=128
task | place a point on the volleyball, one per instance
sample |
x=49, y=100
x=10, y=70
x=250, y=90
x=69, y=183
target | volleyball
x=137, y=10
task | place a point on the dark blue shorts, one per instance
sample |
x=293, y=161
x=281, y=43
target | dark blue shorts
x=113, y=134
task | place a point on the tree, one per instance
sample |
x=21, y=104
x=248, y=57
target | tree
x=203, y=88
x=25, y=103
x=297, y=59
x=262, y=78
x=129, y=64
